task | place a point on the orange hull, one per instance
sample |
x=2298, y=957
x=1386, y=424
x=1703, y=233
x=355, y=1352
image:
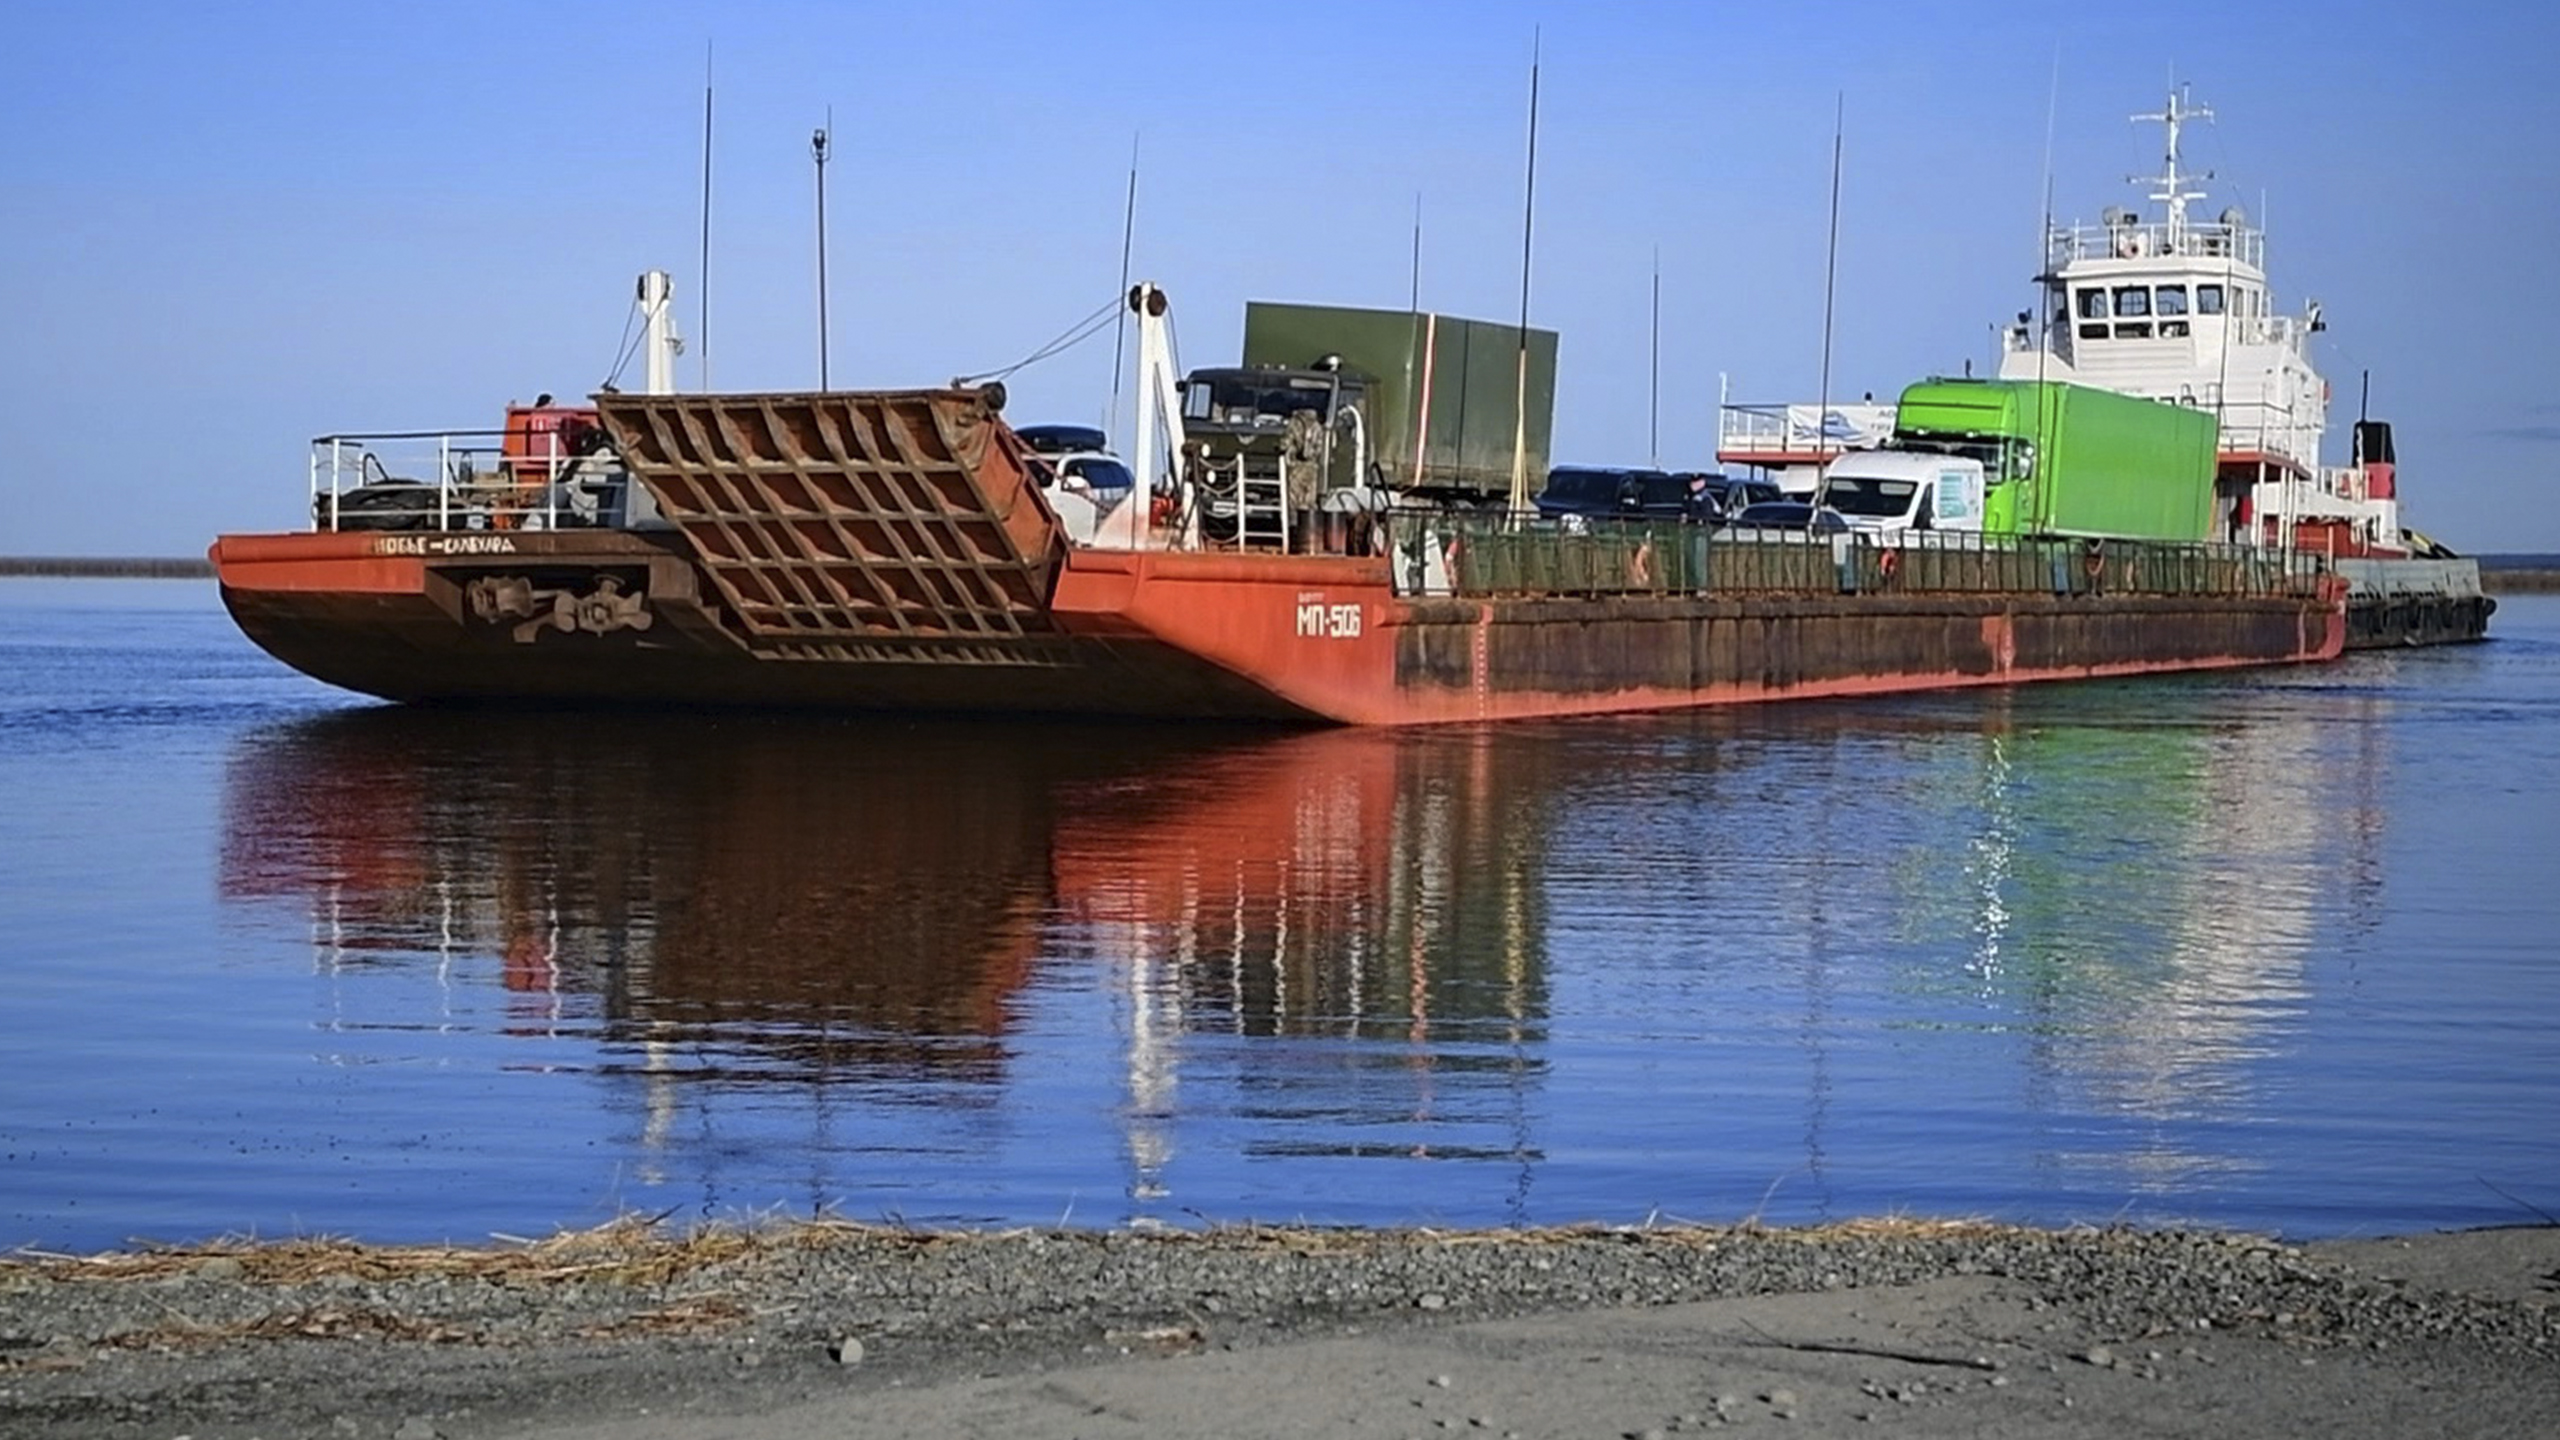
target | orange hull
x=1190, y=635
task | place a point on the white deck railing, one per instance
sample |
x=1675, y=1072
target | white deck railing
x=1807, y=430
x=2143, y=240
x=442, y=480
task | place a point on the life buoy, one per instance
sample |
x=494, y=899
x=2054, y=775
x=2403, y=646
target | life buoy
x=1889, y=564
x=1640, y=566
x=2093, y=560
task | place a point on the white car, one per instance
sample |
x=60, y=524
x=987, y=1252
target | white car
x=1098, y=473
x=1076, y=457
x=1083, y=480
x=1892, y=492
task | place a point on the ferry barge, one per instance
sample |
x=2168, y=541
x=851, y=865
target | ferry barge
x=905, y=551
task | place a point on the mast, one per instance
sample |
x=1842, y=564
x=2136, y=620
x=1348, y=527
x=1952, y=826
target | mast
x=658, y=316
x=1128, y=236
x=1653, y=410
x=1520, y=384
x=702, y=328
x=1830, y=282
x=1414, y=302
x=818, y=154
x=2173, y=194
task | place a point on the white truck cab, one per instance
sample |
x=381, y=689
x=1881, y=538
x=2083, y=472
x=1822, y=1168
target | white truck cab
x=1887, y=492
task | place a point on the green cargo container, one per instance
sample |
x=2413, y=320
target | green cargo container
x=1440, y=391
x=2070, y=460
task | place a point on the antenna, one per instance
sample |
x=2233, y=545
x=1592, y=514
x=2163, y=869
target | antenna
x=2048, y=333
x=1528, y=217
x=1830, y=277
x=2052, y=102
x=1426, y=338
x=702, y=329
x=1128, y=233
x=818, y=154
x=1653, y=414
x=2044, y=223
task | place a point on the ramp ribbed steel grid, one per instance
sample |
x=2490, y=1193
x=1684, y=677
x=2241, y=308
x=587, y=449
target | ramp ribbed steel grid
x=849, y=515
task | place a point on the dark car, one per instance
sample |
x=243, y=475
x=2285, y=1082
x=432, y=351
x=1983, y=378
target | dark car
x=1733, y=492
x=1062, y=439
x=1598, y=493
x=1790, y=515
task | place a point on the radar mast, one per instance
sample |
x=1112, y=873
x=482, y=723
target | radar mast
x=2172, y=192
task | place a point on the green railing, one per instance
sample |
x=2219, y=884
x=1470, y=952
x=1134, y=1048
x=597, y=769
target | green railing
x=1435, y=553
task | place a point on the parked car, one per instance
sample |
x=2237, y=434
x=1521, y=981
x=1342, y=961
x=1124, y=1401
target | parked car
x=1589, y=492
x=1106, y=475
x=1077, y=457
x=1734, y=492
x=1062, y=439
x=1790, y=515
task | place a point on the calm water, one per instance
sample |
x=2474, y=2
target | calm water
x=2271, y=950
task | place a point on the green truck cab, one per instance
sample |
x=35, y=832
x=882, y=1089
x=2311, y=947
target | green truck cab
x=1422, y=405
x=2070, y=460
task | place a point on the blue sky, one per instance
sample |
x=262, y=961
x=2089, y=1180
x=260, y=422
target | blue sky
x=233, y=228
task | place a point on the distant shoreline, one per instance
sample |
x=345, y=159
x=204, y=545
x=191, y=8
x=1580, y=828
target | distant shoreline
x=106, y=568
x=2499, y=574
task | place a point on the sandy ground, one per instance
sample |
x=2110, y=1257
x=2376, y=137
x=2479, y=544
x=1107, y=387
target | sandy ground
x=2462, y=1338
x=1911, y=1359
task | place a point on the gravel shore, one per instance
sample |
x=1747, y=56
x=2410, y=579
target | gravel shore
x=839, y=1329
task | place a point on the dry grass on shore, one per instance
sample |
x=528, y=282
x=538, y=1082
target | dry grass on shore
x=638, y=1250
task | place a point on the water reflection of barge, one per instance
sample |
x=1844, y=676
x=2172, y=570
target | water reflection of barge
x=842, y=892
x=1323, y=947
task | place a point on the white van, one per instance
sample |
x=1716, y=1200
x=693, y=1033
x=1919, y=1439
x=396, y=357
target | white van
x=1886, y=492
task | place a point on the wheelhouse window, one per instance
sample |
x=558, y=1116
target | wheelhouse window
x=2208, y=299
x=2132, y=301
x=2093, y=313
x=2169, y=300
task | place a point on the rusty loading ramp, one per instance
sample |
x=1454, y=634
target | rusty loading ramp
x=891, y=520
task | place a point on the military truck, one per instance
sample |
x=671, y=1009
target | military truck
x=1337, y=409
